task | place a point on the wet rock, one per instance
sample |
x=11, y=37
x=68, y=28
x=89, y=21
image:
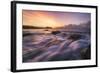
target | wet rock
x=55, y=32
x=31, y=55
x=74, y=36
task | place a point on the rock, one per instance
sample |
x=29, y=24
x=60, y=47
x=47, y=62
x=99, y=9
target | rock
x=55, y=32
x=41, y=57
x=74, y=36
x=79, y=45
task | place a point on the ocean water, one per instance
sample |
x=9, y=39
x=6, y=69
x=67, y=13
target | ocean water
x=40, y=45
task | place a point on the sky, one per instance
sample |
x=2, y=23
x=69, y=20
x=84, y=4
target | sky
x=53, y=18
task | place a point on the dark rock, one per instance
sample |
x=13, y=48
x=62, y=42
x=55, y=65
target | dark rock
x=55, y=32
x=75, y=36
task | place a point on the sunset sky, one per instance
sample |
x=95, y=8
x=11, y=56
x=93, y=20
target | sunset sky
x=53, y=19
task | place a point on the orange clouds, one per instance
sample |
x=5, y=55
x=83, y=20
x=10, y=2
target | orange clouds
x=40, y=19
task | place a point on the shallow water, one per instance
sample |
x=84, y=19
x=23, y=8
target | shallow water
x=40, y=45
